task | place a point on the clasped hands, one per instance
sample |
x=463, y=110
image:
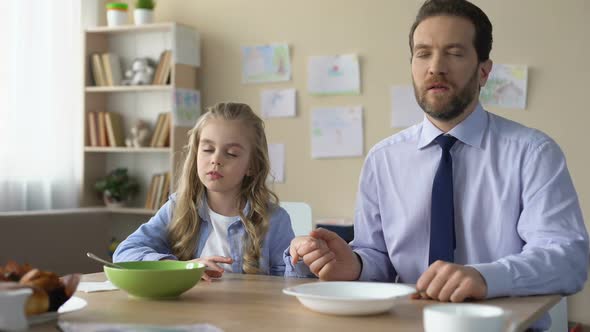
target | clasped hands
x=329, y=257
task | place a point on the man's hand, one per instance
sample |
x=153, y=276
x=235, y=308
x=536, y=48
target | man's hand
x=446, y=282
x=328, y=256
x=213, y=270
x=314, y=252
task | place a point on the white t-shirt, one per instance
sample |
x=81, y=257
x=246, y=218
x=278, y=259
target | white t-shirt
x=217, y=243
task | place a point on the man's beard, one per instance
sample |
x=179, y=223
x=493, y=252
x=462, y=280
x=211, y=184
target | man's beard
x=456, y=106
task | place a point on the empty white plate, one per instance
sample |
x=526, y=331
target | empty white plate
x=349, y=297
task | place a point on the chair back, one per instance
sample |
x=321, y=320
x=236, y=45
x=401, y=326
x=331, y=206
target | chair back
x=301, y=218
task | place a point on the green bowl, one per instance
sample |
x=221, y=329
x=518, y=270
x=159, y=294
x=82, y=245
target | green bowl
x=155, y=279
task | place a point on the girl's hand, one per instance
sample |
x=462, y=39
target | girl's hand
x=213, y=270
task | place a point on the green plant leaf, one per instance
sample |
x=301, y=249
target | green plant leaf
x=145, y=4
x=118, y=185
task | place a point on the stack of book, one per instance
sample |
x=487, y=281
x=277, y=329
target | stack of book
x=106, y=69
x=159, y=191
x=161, y=136
x=105, y=129
x=164, y=68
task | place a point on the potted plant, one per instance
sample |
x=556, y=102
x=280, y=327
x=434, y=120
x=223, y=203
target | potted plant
x=116, y=14
x=117, y=188
x=144, y=12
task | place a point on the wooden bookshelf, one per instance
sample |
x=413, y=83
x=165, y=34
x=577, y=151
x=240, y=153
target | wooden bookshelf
x=137, y=102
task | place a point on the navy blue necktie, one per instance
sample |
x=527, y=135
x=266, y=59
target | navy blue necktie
x=442, y=220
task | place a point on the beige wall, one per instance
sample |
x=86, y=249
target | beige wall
x=56, y=240
x=549, y=36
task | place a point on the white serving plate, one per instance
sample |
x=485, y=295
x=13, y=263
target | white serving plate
x=350, y=297
x=74, y=303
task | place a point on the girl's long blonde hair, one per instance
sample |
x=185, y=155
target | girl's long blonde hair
x=184, y=229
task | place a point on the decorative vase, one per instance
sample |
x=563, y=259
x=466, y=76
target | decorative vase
x=110, y=201
x=143, y=16
x=116, y=14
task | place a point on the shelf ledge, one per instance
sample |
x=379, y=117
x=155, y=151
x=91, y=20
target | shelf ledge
x=102, y=149
x=129, y=88
x=131, y=210
x=132, y=28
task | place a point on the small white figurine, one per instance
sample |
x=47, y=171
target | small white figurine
x=141, y=72
x=140, y=133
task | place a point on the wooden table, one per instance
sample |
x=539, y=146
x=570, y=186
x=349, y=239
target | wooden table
x=240, y=302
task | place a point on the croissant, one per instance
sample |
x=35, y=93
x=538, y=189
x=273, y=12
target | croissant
x=49, y=290
x=47, y=281
x=37, y=303
x=13, y=271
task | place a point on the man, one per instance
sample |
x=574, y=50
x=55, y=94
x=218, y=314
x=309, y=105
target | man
x=467, y=204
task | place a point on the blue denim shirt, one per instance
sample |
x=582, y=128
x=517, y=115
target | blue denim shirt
x=150, y=241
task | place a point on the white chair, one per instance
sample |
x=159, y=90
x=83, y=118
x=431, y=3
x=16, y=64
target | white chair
x=300, y=214
x=559, y=316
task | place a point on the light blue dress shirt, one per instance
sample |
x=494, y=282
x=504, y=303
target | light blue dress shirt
x=149, y=242
x=517, y=215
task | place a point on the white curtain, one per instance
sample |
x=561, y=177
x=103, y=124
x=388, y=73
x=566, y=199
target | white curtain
x=40, y=104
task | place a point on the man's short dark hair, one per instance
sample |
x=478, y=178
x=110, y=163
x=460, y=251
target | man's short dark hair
x=460, y=8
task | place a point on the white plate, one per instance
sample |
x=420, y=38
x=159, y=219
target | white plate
x=349, y=297
x=73, y=304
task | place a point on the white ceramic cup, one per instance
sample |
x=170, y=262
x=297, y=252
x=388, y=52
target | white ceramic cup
x=464, y=317
x=12, y=309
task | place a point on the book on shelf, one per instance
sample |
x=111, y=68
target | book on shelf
x=159, y=190
x=167, y=68
x=161, y=136
x=91, y=120
x=98, y=73
x=106, y=69
x=148, y=199
x=157, y=129
x=105, y=129
x=114, y=124
x=165, y=190
x=112, y=68
x=103, y=139
x=158, y=71
x=164, y=134
x=163, y=69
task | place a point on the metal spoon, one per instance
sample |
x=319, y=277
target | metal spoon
x=105, y=262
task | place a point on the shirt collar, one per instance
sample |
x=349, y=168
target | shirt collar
x=470, y=131
x=203, y=209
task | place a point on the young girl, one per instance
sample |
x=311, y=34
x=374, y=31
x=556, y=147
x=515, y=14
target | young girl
x=223, y=214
